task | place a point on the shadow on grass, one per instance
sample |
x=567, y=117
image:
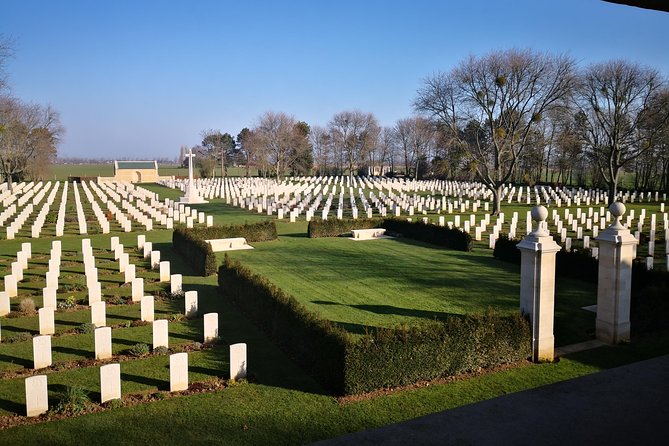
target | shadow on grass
x=392, y=310
x=12, y=406
x=72, y=351
x=157, y=383
x=18, y=361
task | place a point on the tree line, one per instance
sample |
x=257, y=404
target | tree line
x=507, y=116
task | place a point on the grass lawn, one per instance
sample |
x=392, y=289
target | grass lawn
x=393, y=281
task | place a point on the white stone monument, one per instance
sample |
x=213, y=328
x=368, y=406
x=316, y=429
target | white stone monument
x=211, y=327
x=178, y=372
x=238, y=364
x=42, y=351
x=103, y=343
x=37, y=397
x=110, y=382
x=160, y=333
x=616, y=246
x=537, y=285
x=192, y=196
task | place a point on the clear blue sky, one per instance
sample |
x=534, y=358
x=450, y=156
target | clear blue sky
x=138, y=79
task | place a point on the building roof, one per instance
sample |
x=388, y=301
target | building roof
x=136, y=165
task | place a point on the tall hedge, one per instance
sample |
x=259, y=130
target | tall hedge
x=438, y=235
x=386, y=357
x=316, y=344
x=191, y=244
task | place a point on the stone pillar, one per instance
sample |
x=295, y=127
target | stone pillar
x=537, y=285
x=616, y=252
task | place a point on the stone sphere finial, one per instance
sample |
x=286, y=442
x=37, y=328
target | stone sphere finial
x=539, y=213
x=617, y=209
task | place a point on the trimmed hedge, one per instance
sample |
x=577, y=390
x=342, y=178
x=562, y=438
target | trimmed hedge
x=190, y=242
x=316, y=344
x=459, y=344
x=650, y=289
x=334, y=227
x=436, y=235
x=383, y=357
x=452, y=238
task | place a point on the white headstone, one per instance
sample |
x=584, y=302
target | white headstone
x=155, y=259
x=94, y=293
x=42, y=351
x=110, y=382
x=178, y=372
x=47, y=323
x=37, y=396
x=49, y=298
x=129, y=273
x=98, y=314
x=5, y=306
x=141, y=239
x=164, y=271
x=175, y=283
x=160, y=334
x=103, y=343
x=146, y=308
x=137, y=289
x=211, y=327
x=238, y=365
x=11, y=287
x=190, y=303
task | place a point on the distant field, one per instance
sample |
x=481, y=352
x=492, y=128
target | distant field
x=62, y=171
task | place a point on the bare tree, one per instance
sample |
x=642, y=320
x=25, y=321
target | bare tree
x=619, y=115
x=28, y=133
x=505, y=95
x=354, y=133
x=416, y=138
x=6, y=51
x=277, y=140
x=321, y=145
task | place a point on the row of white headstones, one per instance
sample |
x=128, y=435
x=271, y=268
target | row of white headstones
x=274, y=197
x=306, y=194
x=110, y=376
x=135, y=203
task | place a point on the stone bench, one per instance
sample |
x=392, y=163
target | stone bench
x=228, y=244
x=368, y=234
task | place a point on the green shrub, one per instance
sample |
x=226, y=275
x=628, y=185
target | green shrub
x=86, y=328
x=72, y=401
x=190, y=242
x=334, y=228
x=139, y=350
x=68, y=303
x=161, y=350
